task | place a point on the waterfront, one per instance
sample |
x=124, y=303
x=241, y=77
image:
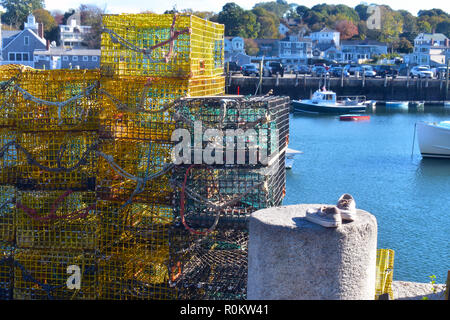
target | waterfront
x=409, y=196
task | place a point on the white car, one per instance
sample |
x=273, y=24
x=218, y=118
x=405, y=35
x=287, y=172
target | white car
x=368, y=71
x=421, y=72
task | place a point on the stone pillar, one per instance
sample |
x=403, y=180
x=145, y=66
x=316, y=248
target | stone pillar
x=290, y=258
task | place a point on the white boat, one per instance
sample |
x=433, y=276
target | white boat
x=325, y=101
x=290, y=154
x=447, y=104
x=434, y=139
x=397, y=104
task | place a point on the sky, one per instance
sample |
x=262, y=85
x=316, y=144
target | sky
x=159, y=6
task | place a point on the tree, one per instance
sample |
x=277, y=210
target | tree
x=91, y=15
x=403, y=45
x=361, y=9
x=18, y=10
x=346, y=28
x=51, y=29
x=268, y=22
x=444, y=27
x=279, y=8
x=230, y=16
x=251, y=47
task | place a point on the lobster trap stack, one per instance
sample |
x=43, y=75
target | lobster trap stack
x=240, y=169
x=94, y=202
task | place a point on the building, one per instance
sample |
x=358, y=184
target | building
x=283, y=29
x=268, y=47
x=72, y=34
x=232, y=47
x=326, y=35
x=61, y=58
x=294, y=50
x=18, y=46
x=430, y=49
x=355, y=50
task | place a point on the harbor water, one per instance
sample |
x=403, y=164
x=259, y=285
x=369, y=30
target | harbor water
x=375, y=162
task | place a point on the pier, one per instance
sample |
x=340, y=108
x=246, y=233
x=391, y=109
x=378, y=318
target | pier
x=431, y=91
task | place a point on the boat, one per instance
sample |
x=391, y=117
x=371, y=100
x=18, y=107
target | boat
x=397, y=104
x=290, y=154
x=325, y=101
x=417, y=104
x=354, y=117
x=434, y=139
x=447, y=104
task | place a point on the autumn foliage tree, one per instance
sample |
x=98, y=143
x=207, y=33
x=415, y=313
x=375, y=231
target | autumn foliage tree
x=346, y=28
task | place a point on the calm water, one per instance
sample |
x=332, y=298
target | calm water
x=410, y=197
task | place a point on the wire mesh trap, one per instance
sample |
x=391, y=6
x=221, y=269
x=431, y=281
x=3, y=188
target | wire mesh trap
x=8, y=156
x=211, y=267
x=46, y=274
x=168, y=45
x=6, y=270
x=56, y=220
x=236, y=130
x=208, y=197
x=7, y=214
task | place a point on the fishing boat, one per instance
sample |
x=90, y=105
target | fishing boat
x=325, y=101
x=354, y=117
x=434, y=139
x=290, y=154
x=397, y=104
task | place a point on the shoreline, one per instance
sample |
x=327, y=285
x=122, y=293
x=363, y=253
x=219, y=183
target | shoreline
x=406, y=290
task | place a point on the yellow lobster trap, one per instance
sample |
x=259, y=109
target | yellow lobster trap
x=57, y=161
x=134, y=169
x=6, y=270
x=7, y=213
x=56, y=220
x=142, y=108
x=49, y=100
x=60, y=275
x=8, y=156
x=384, y=273
x=167, y=45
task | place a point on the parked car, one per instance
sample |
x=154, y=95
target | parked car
x=250, y=69
x=440, y=72
x=368, y=71
x=386, y=71
x=321, y=65
x=319, y=71
x=272, y=68
x=232, y=66
x=338, y=72
x=421, y=72
x=302, y=69
x=352, y=68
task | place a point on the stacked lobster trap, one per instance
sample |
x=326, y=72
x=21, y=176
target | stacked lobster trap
x=94, y=202
x=235, y=165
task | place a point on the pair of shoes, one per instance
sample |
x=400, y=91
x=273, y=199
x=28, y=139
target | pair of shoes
x=332, y=216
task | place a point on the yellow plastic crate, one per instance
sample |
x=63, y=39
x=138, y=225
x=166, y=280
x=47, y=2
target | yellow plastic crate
x=142, y=108
x=122, y=166
x=140, y=44
x=43, y=274
x=49, y=100
x=384, y=273
x=56, y=220
x=8, y=156
x=57, y=161
x=7, y=213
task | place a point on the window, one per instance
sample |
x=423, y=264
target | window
x=25, y=56
x=26, y=40
x=94, y=58
x=75, y=58
x=85, y=58
x=65, y=58
x=12, y=57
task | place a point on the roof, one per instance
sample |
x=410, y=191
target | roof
x=326, y=29
x=9, y=33
x=430, y=36
x=59, y=51
x=362, y=43
x=20, y=33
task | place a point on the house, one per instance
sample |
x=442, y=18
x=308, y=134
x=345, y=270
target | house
x=72, y=34
x=268, y=47
x=232, y=47
x=295, y=50
x=62, y=58
x=18, y=46
x=326, y=35
x=430, y=49
x=355, y=50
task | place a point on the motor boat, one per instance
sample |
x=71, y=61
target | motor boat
x=354, y=117
x=397, y=104
x=325, y=101
x=290, y=154
x=434, y=139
